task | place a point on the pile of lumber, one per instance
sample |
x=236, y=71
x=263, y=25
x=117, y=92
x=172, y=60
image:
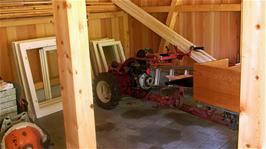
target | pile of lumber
x=25, y=8
x=38, y=8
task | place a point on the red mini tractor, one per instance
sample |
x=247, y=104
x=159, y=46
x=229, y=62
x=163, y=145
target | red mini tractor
x=144, y=76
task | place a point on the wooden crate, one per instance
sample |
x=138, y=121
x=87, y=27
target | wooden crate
x=217, y=84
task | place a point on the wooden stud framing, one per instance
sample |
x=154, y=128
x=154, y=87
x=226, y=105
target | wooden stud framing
x=75, y=72
x=170, y=21
x=252, y=94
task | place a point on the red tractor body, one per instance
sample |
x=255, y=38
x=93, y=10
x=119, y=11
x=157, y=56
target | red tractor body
x=143, y=77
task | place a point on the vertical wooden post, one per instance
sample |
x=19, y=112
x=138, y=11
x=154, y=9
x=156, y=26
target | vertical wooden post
x=126, y=35
x=252, y=98
x=75, y=72
x=170, y=21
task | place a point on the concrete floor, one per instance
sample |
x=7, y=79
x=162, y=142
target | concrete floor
x=136, y=124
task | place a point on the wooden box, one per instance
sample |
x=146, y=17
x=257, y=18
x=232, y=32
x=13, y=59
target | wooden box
x=217, y=84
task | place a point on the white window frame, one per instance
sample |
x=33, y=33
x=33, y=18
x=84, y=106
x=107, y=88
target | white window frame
x=118, y=51
x=21, y=47
x=45, y=70
x=96, y=55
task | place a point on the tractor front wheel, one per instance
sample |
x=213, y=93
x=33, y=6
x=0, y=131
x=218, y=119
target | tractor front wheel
x=106, y=91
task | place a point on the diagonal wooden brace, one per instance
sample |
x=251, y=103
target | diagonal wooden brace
x=162, y=30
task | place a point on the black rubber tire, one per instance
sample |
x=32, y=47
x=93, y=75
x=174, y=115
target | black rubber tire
x=115, y=91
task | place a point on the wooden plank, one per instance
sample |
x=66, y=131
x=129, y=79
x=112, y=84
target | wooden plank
x=115, y=28
x=5, y=59
x=208, y=7
x=161, y=29
x=11, y=36
x=156, y=9
x=126, y=35
x=38, y=9
x=252, y=99
x=94, y=16
x=224, y=63
x=170, y=21
x=178, y=77
x=104, y=8
x=41, y=10
x=218, y=86
x=26, y=21
x=75, y=73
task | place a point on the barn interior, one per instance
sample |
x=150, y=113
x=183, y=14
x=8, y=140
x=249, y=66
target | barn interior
x=132, y=74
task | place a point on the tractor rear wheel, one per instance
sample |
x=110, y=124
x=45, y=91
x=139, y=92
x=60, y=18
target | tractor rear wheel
x=106, y=91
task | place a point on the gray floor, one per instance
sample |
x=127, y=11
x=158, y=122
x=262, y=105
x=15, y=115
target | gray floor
x=136, y=124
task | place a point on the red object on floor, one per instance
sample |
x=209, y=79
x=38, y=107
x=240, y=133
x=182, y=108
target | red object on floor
x=27, y=137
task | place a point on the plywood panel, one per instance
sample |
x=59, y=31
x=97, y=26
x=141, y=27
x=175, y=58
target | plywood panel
x=217, y=84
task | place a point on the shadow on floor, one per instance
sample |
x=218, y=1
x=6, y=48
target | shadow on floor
x=136, y=124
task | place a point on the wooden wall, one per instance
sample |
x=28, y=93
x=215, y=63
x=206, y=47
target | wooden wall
x=102, y=25
x=142, y=37
x=218, y=32
x=16, y=33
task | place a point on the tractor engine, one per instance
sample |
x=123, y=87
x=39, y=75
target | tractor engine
x=139, y=73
